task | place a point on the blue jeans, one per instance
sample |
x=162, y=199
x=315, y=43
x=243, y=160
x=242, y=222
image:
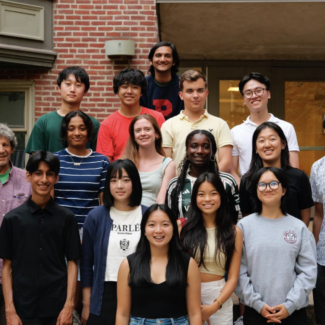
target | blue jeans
x=161, y=321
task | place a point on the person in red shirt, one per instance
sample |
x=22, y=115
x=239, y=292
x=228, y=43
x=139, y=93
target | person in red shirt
x=129, y=85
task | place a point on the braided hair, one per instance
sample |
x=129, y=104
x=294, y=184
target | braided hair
x=212, y=166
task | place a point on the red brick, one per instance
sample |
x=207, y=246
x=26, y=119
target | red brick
x=85, y=26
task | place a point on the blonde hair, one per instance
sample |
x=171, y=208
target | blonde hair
x=132, y=148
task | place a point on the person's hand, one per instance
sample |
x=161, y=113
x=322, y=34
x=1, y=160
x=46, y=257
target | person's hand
x=268, y=312
x=206, y=312
x=85, y=314
x=13, y=319
x=65, y=316
x=281, y=313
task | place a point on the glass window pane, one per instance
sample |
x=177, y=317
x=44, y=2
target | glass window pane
x=18, y=157
x=231, y=103
x=12, y=105
x=304, y=108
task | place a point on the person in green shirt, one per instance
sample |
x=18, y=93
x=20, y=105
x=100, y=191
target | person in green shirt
x=73, y=84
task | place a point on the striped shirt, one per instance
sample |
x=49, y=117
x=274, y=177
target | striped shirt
x=79, y=186
x=184, y=199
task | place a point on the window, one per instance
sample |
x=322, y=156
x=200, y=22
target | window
x=17, y=111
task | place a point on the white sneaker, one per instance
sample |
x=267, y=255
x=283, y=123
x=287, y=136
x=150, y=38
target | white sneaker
x=239, y=321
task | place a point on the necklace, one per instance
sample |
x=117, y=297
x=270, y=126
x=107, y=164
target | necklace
x=75, y=163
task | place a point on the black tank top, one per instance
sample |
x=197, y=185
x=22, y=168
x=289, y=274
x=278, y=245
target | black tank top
x=158, y=300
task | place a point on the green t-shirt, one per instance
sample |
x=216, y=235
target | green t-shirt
x=46, y=134
x=4, y=177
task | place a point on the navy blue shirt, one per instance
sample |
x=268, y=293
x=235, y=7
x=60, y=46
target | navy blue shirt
x=97, y=228
x=163, y=98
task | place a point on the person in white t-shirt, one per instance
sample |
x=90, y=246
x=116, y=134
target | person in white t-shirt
x=255, y=89
x=111, y=233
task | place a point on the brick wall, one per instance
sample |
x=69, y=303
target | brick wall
x=81, y=28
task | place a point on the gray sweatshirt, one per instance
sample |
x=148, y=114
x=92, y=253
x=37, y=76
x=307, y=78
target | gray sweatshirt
x=278, y=264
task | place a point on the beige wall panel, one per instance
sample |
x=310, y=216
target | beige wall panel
x=21, y=20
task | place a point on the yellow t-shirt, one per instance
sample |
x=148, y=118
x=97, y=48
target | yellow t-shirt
x=175, y=130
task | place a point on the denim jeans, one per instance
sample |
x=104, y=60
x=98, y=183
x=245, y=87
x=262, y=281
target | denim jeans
x=159, y=321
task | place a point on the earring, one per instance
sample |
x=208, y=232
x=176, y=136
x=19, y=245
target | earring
x=213, y=158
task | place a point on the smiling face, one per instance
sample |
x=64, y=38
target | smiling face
x=194, y=95
x=129, y=94
x=5, y=153
x=269, y=147
x=144, y=133
x=199, y=150
x=256, y=103
x=159, y=229
x=121, y=188
x=162, y=60
x=208, y=198
x=42, y=181
x=77, y=133
x=270, y=197
x=71, y=90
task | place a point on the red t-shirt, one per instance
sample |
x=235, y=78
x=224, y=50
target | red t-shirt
x=113, y=133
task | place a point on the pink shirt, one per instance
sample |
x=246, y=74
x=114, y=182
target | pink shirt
x=14, y=192
x=114, y=132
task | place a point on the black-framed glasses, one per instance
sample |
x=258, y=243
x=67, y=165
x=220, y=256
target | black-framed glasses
x=257, y=92
x=274, y=185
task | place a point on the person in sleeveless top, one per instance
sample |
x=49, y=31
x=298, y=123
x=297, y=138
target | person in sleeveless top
x=111, y=232
x=158, y=283
x=144, y=148
x=216, y=244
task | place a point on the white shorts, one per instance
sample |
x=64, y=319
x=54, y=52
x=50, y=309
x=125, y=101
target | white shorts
x=211, y=291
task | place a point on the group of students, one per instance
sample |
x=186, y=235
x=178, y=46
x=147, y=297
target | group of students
x=158, y=215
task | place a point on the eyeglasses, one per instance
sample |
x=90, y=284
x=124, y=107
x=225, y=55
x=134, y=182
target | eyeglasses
x=274, y=185
x=257, y=92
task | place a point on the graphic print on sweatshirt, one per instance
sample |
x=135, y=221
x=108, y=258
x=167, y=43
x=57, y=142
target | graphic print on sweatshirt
x=290, y=236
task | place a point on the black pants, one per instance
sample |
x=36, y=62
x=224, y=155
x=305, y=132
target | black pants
x=252, y=317
x=40, y=321
x=319, y=295
x=109, y=305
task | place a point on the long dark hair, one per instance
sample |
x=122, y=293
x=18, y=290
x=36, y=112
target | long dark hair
x=176, y=271
x=115, y=169
x=282, y=178
x=257, y=162
x=194, y=234
x=212, y=166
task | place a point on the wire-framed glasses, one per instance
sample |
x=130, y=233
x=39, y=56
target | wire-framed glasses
x=274, y=185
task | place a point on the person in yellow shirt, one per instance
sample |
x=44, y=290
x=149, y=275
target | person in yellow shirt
x=194, y=92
